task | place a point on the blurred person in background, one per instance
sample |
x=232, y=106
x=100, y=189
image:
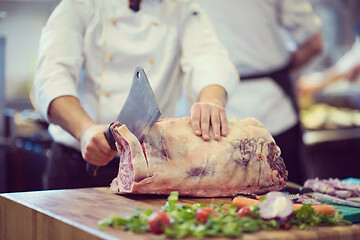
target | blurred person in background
x=346, y=67
x=88, y=54
x=257, y=34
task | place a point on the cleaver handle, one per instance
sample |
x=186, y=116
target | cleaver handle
x=92, y=169
x=110, y=138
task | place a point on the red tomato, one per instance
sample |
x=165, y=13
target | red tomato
x=157, y=222
x=202, y=214
x=244, y=212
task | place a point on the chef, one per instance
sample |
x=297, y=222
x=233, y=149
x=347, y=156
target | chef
x=345, y=68
x=256, y=34
x=88, y=54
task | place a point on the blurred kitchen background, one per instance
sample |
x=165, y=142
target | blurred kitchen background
x=331, y=125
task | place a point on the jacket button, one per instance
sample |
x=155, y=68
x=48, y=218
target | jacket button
x=107, y=94
x=113, y=21
x=151, y=61
x=155, y=23
x=111, y=57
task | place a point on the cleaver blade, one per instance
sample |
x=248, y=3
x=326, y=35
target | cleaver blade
x=141, y=109
x=139, y=113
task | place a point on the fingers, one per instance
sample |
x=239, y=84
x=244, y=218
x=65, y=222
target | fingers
x=94, y=147
x=95, y=156
x=205, y=114
x=102, y=151
x=195, y=119
x=219, y=123
x=205, y=122
x=223, y=123
x=215, y=123
x=200, y=120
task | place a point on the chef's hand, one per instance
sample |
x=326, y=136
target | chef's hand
x=203, y=115
x=309, y=85
x=352, y=73
x=67, y=112
x=210, y=111
x=94, y=146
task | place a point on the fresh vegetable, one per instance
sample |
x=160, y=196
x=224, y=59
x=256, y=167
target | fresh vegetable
x=137, y=223
x=276, y=206
x=334, y=187
x=158, y=222
x=307, y=216
x=327, y=209
x=245, y=212
x=240, y=202
x=180, y=220
x=203, y=214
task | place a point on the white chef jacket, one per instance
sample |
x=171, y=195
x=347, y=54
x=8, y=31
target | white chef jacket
x=256, y=34
x=89, y=49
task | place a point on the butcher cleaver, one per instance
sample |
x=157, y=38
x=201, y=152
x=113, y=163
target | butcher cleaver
x=139, y=113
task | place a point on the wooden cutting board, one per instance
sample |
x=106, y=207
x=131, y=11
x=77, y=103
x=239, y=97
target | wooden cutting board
x=74, y=214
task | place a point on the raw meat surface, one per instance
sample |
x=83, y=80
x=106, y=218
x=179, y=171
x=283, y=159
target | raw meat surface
x=172, y=158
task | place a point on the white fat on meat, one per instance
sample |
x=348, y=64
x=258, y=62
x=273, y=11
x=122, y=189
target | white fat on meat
x=173, y=158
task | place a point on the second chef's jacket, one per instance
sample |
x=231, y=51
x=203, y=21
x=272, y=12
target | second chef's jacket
x=258, y=35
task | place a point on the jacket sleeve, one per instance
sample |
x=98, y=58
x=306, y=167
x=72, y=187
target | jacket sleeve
x=60, y=55
x=204, y=60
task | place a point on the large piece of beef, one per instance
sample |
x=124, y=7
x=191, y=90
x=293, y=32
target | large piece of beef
x=172, y=158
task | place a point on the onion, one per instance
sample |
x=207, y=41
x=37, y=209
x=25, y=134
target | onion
x=276, y=206
x=343, y=194
x=333, y=186
x=323, y=187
